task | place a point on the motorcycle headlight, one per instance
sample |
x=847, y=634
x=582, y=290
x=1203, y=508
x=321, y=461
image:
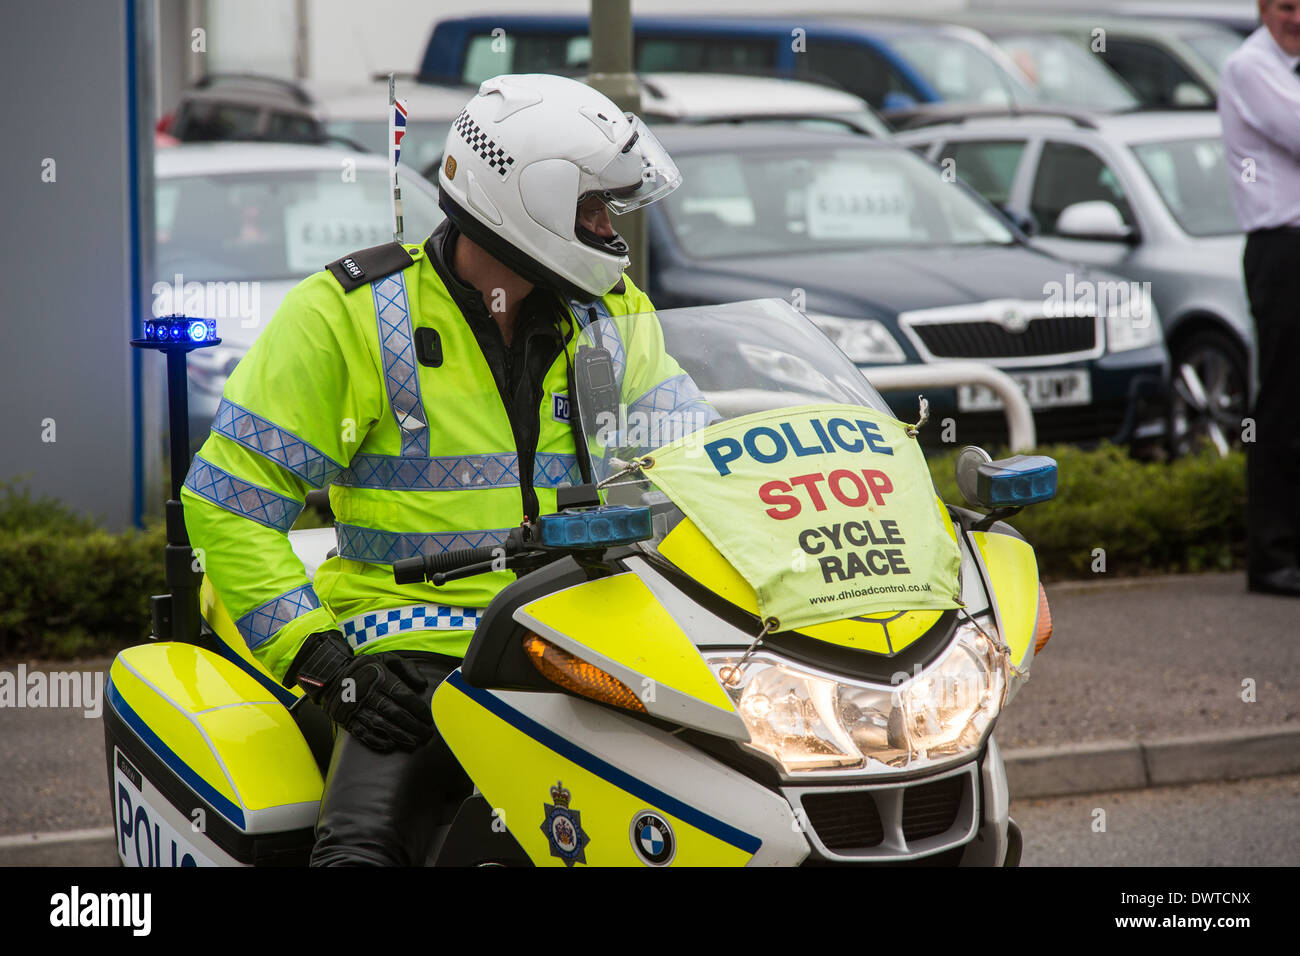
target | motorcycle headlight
x=808, y=721
x=1133, y=323
x=862, y=340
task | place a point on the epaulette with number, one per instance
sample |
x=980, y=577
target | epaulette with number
x=359, y=268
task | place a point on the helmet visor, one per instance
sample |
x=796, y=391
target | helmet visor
x=639, y=174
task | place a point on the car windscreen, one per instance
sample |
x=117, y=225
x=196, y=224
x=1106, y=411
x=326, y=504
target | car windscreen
x=1191, y=176
x=421, y=146
x=959, y=71
x=282, y=224
x=1213, y=48
x=1060, y=72
x=804, y=200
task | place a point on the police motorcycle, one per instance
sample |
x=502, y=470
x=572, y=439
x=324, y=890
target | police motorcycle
x=753, y=636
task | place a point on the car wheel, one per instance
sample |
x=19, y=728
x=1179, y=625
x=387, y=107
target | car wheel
x=1209, y=393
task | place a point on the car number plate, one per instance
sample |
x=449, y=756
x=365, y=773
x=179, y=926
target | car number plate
x=1042, y=389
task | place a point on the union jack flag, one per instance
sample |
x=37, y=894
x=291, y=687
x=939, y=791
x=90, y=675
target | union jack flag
x=397, y=129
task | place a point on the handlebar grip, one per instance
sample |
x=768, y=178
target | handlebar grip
x=423, y=567
x=409, y=570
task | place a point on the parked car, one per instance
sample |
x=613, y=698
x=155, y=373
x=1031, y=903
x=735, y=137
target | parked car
x=898, y=266
x=1169, y=64
x=727, y=98
x=1145, y=196
x=890, y=64
x=1054, y=65
x=239, y=224
x=360, y=114
x=1240, y=16
x=245, y=106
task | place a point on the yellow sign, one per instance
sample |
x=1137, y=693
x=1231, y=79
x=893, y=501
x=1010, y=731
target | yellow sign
x=828, y=511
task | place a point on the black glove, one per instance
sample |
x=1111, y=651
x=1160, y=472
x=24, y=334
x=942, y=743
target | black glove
x=382, y=706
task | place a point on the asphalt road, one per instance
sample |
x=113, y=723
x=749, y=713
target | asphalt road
x=1151, y=657
x=1245, y=823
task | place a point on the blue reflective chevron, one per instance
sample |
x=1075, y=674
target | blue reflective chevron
x=555, y=471
x=401, y=371
x=261, y=623
x=455, y=473
x=384, y=547
x=270, y=440
x=243, y=498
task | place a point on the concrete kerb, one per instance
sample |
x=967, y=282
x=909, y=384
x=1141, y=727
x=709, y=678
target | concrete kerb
x=1099, y=766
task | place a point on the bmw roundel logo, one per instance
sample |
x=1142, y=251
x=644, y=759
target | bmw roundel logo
x=652, y=839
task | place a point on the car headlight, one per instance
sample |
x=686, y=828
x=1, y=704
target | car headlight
x=862, y=340
x=1133, y=323
x=808, y=721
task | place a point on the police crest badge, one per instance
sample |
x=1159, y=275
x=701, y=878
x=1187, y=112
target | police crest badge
x=563, y=827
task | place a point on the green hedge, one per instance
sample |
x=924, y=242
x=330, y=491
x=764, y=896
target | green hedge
x=1148, y=517
x=68, y=588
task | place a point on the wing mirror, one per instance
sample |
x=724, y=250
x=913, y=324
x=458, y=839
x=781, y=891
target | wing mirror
x=1014, y=482
x=1096, y=219
x=1190, y=96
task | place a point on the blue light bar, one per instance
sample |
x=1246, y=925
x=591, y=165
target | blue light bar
x=601, y=527
x=1017, y=482
x=178, y=328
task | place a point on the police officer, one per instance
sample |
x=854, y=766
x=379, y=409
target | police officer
x=426, y=384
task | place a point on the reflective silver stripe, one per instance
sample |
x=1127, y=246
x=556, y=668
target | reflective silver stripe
x=672, y=409
x=243, y=498
x=401, y=371
x=452, y=473
x=668, y=396
x=373, y=625
x=271, y=441
x=259, y=624
x=385, y=547
x=555, y=471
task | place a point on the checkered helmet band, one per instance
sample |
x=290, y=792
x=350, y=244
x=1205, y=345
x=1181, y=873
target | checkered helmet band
x=478, y=141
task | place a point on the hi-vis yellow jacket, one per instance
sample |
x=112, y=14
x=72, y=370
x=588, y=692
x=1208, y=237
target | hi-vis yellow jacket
x=346, y=387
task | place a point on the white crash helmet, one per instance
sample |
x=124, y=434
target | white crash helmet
x=522, y=155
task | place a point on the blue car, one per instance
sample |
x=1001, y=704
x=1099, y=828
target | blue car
x=893, y=65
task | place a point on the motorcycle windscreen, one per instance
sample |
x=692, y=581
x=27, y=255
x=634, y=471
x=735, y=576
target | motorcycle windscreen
x=750, y=421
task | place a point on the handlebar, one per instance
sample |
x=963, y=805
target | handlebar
x=423, y=567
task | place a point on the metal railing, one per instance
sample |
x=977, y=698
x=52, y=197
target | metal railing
x=1020, y=418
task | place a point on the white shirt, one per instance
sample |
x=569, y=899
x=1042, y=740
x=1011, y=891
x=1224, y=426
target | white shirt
x=1259, y=104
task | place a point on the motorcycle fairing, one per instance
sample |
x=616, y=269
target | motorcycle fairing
x=887, y=633
x=220, y=731
x=517, y=745
x=634, y=638
x=1011, y=572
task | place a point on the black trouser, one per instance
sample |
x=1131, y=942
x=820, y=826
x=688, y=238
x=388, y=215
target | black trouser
x=385, y=809
x=1272, y=267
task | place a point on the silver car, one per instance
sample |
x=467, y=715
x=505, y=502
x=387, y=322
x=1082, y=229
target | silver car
x=1144, y=195
x=240, y=224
